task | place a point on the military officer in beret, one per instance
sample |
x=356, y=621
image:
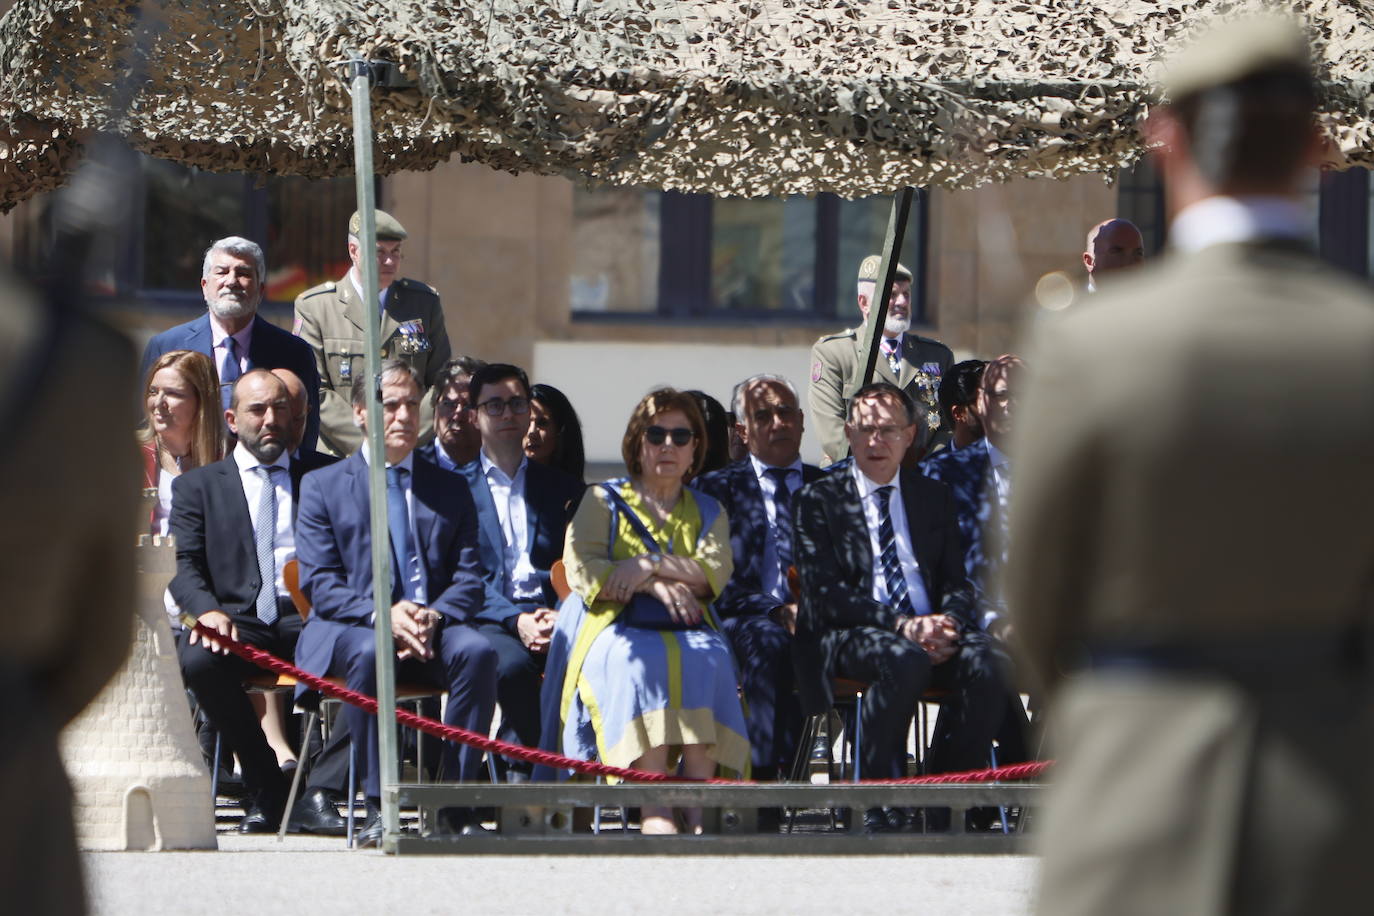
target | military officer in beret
x=1195, y=593
x=330, y=318
x=911, y=362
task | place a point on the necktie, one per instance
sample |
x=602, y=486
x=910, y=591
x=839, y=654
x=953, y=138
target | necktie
x=782, y=518
x=892, y=570
x=894, y=356
x=265, y=532
x=398, y=524
x=229, y=372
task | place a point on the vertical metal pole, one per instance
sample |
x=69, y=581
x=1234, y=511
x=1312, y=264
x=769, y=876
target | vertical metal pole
x=892, y=246
x=360, y=73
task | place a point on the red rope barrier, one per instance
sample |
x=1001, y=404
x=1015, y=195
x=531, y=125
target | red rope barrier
x=557, y=761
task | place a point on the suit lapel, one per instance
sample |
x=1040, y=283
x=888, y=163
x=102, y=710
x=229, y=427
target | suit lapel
x=237, y=517
x=854, y=544
x=198, y=337
x=425, y=484
x=753, y=511
x=535, y=486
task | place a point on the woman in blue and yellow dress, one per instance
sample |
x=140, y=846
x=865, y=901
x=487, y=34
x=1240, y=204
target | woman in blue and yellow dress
x=662, y=694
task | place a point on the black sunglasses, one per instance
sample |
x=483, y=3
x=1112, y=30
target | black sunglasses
x=657, y=434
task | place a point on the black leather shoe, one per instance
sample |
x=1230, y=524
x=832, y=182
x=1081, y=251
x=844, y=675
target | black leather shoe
x=315, y=813
x=370, y=834
x=820, y=748
x=261, y=815
x=880, y=820
x=458, y=822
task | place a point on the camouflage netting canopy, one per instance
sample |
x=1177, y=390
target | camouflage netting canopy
x=746, y=97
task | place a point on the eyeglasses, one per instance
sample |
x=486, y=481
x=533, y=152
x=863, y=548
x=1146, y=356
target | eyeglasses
x=495, y=407
x=886, y=433
x=784, y=412
x=657, y=435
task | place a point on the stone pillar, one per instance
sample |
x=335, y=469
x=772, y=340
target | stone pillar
x=137, y=773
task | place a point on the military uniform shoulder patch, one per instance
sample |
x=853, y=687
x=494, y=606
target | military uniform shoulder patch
x=816, y=370
x=297, y=325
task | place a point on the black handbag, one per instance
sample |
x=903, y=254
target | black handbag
x=643, y=611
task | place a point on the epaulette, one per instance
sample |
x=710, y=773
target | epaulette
x=418, y=286
x=847, y=332
x=328, y=286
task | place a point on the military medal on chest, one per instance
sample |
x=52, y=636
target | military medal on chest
x=413, y=339
x=928, y=383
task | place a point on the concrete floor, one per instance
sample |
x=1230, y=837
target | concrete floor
x=317, y=875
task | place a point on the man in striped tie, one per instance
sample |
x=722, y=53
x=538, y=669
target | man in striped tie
x=885, y=600
x=233, y=522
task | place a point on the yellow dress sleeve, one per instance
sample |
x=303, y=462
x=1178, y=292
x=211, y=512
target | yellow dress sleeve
x=714, y=554
x=587, y=548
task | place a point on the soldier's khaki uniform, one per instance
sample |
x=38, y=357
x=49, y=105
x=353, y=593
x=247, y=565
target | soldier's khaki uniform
x=330, y=318
x=837, y=361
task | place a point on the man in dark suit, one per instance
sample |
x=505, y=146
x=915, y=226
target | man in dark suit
x=234, y=533
x=436, y=587
x=232, y=333
x=523, y=510
x=980, y=477
x=301, y=415
x=884, y=599
x=757, y=608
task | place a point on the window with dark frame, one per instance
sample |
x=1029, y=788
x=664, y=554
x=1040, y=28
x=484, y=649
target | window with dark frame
x=696, y=258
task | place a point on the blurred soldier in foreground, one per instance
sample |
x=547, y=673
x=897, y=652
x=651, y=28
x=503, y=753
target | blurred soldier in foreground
x=1206, y=585
x=66, y=594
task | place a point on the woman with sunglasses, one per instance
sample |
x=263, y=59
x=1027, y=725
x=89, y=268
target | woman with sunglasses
x=638, y=675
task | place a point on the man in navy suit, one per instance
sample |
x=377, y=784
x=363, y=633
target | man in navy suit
x=884, y=600
x=232, y=333
x=523, y=510
x=757, y=609
x=436, y=587
x=233, y=522
x=979, y=475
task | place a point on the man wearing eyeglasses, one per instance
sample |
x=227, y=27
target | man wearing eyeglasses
x=330, y=317
x=757, y=609
x=885, y=600
x=523, y=510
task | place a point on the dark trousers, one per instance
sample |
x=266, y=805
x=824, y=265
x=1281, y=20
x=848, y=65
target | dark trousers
x=217, y=683
x=519, y=675
x=763, y=653
x=898, y=671
x=464, y=664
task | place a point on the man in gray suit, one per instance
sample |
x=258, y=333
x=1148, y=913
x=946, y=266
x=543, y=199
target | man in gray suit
x=1207, y=586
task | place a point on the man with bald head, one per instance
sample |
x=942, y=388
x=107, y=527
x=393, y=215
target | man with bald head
x=234, y=527
x=1114, y=244
x=301, y=415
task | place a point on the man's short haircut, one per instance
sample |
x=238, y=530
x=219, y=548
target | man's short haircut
x=885, y=390
x=358, y=392
x=492, y=373
x=737, y=396
x=251, y=374
x=455, y=374
x=959, y=387
x=239, y=248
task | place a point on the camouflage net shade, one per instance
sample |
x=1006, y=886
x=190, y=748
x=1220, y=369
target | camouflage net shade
x=740, y=98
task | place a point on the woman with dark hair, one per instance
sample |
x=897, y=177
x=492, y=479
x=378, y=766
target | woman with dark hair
x=638, y=674
x=555, y=435
x=183, y=424
x=717, y=433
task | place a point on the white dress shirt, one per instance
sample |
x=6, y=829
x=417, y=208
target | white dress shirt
x=284, y=538
x=1219, y=220
x=906, y=556
x=774, y=579
x=357, y=285
x=509, y=495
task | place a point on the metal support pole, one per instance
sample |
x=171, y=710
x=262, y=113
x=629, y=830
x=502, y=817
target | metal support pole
x=892, y=246
x=360, y=73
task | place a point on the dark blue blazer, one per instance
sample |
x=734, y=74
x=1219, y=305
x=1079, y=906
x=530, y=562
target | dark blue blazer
x=835, y=564
x=551, y=499
x=736, y=487
x=968, y=474
x=334, y=547
x=271, y=348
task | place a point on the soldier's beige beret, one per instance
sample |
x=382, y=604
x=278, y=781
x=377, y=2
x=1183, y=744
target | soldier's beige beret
x=868, y=270
x=1233, y=50
x=388, y=227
